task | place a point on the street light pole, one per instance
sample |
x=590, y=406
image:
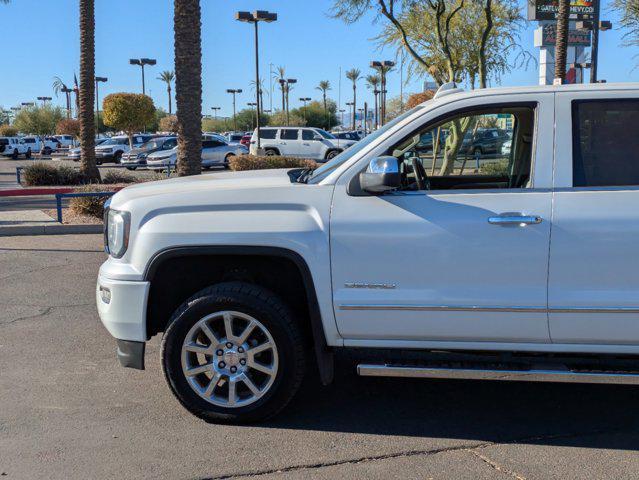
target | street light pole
x=97, y=102
x=304, y=100
x=384, y=67
x=142, y=62
x=254, y=106
x=234, y=91
x=341, y=111
x=256, y=17
x=350, y=106
x=215, y=109
x=44, y=100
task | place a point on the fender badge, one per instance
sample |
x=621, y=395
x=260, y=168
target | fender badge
x=383, y=286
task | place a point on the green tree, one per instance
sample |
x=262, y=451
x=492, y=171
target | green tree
x=129, y=112
x=217, y=124
x=86, y=91
x=68, y=126
x=8, y=130
x=187, y=30
x=279, y=119
x=353, y=75
x=168, y=77
x=168, y=124
x=246, y=119
x=324, y=86
x=628, y=11
x=315, y=114
x=38, y=120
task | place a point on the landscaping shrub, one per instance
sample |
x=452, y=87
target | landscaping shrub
x=42, y=174
x=494, y=168
x=91, y=206
x=117, y=177
x=253, y=162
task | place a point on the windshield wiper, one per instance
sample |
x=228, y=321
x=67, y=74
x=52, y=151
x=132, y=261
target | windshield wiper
x=305, y=174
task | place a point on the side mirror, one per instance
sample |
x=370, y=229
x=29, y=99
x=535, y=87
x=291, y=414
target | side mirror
x=382, y=175
x=317, y=138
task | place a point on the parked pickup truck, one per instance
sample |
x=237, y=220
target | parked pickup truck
x=418, y=264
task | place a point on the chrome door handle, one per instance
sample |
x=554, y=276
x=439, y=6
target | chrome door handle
x=514, y=219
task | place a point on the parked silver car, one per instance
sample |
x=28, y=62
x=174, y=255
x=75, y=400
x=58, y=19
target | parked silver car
x=137, y=157
x=215, y=153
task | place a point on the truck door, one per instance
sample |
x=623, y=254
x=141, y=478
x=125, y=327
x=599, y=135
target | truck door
x=462, y=257
x=593, y=289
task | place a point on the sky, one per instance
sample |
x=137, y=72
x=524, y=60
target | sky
x=305, y=39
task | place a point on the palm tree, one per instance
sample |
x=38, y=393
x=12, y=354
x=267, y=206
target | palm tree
x=324, y=86
x=281, y=73
x=167, y=76
x=561, y=44
x=252, y=83
x=373, y=81
x=188, y=85
x=353, y=75
x=87, y=92
x=59, y=86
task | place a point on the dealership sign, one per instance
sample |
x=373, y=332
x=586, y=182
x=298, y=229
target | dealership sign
x=546, y=36
x=547, y=9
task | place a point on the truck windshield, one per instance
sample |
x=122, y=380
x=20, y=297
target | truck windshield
x=329, y=167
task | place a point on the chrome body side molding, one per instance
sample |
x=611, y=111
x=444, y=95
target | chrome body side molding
x=543, y=375
x=489, y=308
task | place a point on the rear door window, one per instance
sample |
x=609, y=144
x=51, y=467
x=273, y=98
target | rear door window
x=605, y=151
x=268, y=134
x=289, y=134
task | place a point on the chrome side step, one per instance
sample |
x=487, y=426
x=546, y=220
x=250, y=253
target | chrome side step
x=547, y=375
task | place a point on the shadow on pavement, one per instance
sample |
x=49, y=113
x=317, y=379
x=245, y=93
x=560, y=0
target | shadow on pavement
x=478, y=411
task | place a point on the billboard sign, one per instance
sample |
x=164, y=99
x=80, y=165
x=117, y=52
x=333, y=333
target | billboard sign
x=546, y=36
x=547, y=9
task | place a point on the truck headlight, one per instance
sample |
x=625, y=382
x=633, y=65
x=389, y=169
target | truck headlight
x=118, y=225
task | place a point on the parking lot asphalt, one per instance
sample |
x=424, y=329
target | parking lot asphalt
x=69, y=411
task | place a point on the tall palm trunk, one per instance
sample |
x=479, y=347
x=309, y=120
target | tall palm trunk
x=354, y=105
x=86, y=92
x=325, y=110
x=168, y=90
x=561, y=46
x=188, y=85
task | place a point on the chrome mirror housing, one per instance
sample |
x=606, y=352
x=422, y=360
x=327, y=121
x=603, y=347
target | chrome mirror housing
x=382, y=175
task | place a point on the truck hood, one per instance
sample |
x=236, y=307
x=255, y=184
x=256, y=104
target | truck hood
x=196, y=185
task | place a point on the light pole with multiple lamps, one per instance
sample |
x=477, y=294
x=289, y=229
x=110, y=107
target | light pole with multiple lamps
x=342, y=114
x=142, y=62
x=255, y=18
x=383, y=68
x=44, y=100
x=234, y=91
x=350, y=106
x=286, y=87
x=253, y=105
x=97, y=101
x=304, y=100
x=215, y=110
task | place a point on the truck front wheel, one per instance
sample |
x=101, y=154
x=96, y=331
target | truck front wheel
x=233, y=353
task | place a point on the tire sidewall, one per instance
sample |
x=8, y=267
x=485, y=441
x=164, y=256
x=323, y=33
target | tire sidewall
x=288, y=360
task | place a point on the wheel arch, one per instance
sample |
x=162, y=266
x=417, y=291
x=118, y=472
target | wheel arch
x=227, y=256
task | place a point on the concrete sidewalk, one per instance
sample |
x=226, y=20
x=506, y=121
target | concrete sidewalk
x=36, y=222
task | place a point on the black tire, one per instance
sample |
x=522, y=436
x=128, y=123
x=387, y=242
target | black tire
x=28, y=154
x=274, y=315
x=15, y=154
x=332, y=154
x=47, y=150
x=117, y=157
x=271, y=152
x=477, y=151
x=227, y=160
x=131, y=168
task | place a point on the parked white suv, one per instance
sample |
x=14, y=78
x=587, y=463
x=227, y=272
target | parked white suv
x=303, y=142
x=14, y=147
x=428, y=265
x=113, y=149
x=35, y=144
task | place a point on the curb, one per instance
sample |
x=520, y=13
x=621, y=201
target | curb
x=26, y=192
x=54, y=229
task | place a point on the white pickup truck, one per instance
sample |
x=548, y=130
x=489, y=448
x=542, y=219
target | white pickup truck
x=424, y=261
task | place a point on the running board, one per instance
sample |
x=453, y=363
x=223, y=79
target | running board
x=568, y=376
